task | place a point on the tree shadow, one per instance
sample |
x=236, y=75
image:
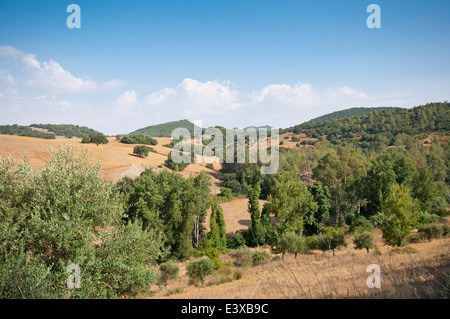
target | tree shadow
x=245, y=222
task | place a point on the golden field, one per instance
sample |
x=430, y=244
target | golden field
x=324, y=276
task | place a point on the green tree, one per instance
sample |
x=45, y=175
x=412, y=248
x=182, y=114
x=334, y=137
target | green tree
x=252, y=182
x=142, y=150
x=314, y=219
x=289, y=200
x=291, y=242
x=400, y=214
x=388, y=168
x=363, y=240
x=200, y=268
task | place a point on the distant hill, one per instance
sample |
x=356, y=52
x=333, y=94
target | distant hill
x=67, y=130
x=23, y=131
x=380, y=126
x=165, y=129
x=354, y=111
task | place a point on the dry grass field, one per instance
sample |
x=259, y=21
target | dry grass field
x=116, y=159
x=322, y=275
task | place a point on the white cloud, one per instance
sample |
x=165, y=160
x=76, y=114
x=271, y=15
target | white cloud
x=196, y=98
x=127, y=103
x=304, y=95
x=51, y=78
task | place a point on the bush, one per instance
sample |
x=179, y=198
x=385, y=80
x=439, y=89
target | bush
x=138, y=139
x=214, y=255
x=445, y=230
x=199, y=269
x=259, y=256
x=235, y=240
x=227, y=193
x=168, y=270
x=430, y=231
x=442, y=212
x=427, y=218
x=243, y=257
x=403, y=250
x=210, y=166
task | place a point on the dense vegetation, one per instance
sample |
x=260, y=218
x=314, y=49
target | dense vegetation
x=165, y=129
x=380, y=129
x=354, y=111
x=67, y=130
x=138, y=139
x=67, y=215
x=24, y=131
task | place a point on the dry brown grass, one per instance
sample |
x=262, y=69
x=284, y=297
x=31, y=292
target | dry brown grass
x=320, y=275
x=236, y=214
x=117, y=159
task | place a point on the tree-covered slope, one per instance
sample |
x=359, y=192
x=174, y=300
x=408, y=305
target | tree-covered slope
x=432, y=117
x=354, y=111
x=68, y=130
x=165, y=129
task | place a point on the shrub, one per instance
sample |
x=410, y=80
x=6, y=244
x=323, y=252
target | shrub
x=442, y=212
x=138, y=139
x=210, y=166
x=243, y=257
x=427, y=218
x=214, y=255
x=235, y=240
x=445, y=230
x=430, y=231
x=168, y=270
x=259, y=256
x=197, y=270
x=227, y=193
x=403, y=250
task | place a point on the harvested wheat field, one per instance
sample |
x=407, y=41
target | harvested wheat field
x=322, y=275
x=116, y=159
x=236, y=214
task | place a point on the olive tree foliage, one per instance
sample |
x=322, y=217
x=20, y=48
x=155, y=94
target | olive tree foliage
x=291, y=242
x=66, y=214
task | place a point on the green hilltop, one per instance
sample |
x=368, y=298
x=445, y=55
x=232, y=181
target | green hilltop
x=165, y=129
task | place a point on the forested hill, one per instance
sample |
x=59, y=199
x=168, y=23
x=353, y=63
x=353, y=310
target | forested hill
x=354, y=111
x=23, y=131
x=432, y=117
x=68, y=130
x=165, y=129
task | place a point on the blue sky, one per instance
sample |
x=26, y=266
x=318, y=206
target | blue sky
x=231, y=63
